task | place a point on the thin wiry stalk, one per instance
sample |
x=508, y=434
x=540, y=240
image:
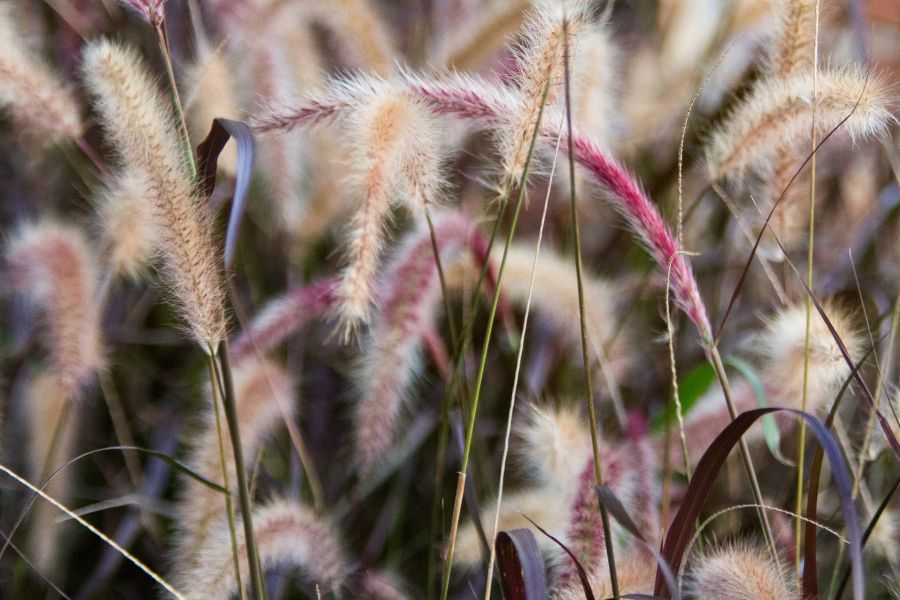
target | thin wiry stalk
x=479, y=378
x=588, y=385
x=257, y=584
x=106, y=539
x=215, y=387
x=512, y=395
x=166, y=54
x=801, y=449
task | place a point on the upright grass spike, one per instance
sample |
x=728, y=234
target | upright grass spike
x=126, y=218
x=288, y=533
x=409, y=297
x=740, y=572
x=41, y=105
x=53, y=265
x=141, y=127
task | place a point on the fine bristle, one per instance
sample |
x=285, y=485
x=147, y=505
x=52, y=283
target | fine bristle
x=51, y=433
x=408, y=296
x=126, y=217
x=137, y=119
x=779, y=110
x=782, y=348
x=53, y=265
x=287, y=534
x=740, y=572
x=262, y=390
x=392, y=141
x=41, y=105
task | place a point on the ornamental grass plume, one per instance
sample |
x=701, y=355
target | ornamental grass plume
x=261, y=388
x=408, y=297
x=740, y=572
x=127, y=222
x=40, y=104
x=779, y=358
x=394, y=150
x=212, y=94
x=140, y=124
x=53, y=266
x=51, y=442
x=781, y=109
x=555, y=295
x=538, y=80
x=288, y=534
x=283, y=317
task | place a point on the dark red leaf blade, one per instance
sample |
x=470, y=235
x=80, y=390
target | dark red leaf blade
x=682, y=528
x=208, y=152
x=521, y=566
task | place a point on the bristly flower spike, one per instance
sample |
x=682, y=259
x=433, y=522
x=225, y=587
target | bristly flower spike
x=138, y=120
x=54, y=266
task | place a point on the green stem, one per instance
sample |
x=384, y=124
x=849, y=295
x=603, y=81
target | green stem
x=588, y=383
x=230, y=405
x=179, y=107
x=215, y=386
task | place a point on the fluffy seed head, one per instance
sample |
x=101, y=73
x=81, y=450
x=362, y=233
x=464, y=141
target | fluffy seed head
x=392, y=140
x=792, y=52
x=362, y=34
x=127, y=219
x=545, y=506
x=782, y=348
x=54, y=267
x=51, y=436
x=211, y=83
x=287, y=533
x=594, y=68
x=552, y=444
x=740, y=572
x=409, y=297
x=137, y=119
x=555, y=295
x=40, y=104
x=780, y=110
x=261, y=389
x=541, y=71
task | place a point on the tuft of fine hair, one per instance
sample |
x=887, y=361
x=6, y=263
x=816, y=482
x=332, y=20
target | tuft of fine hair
x=782, y=344
x=393, y=144
x=539, y=78
x=287, y=533
x=127, y=222
x=40, y=104
x=261, y=389
x=53, y=266
x=792, y=50
x=211, y=85
x=140, y=124
x=555, y=295
x=408, y=296
x=51, y=436
x=778, y=110
x=552, y=443
x=740, y=572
